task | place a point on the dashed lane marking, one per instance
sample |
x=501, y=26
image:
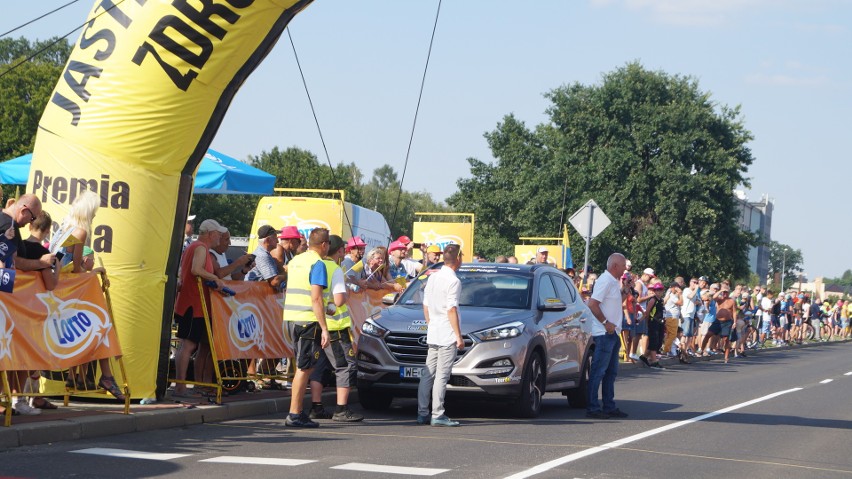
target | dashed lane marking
x=409, y=471
x=826, y=381
x=266, y=461
x=848, y=374
x=125, y=453
x=611, y=445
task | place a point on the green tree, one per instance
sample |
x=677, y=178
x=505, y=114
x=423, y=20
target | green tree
x=25, y=88
x=783, y=259
x=652, y=149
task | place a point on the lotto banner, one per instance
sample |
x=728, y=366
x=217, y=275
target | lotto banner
x=248, y=325
x=362, y=305
x=51, y=330
x=143, y=93
x=443, y=234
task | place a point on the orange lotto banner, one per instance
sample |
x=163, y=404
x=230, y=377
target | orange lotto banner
x=58, y=329
x=248, y=325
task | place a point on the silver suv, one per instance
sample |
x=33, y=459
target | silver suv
x=526, y=332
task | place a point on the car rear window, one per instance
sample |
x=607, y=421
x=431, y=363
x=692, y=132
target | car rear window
x=486, y=289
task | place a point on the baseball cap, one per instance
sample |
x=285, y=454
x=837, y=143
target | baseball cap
x=628, y=264
x=211, y=225
x=542, y=249
x=404, y=240
x=714, y=286
x=649, y=272
x=265, y=231
x=396, y=246
x=355, y=242
x=704, y=278
x=289, y=232
x=434, y=249
x=656, y=286
x=190, y=218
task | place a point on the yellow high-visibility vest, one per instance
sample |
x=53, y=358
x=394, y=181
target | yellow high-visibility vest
x=297, y=303
x=340, y=320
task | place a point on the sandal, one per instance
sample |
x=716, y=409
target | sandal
x=43, y=404
x=111, y=387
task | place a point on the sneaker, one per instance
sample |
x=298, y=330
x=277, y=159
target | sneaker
x=319, y=413
x=347, y=416
x=444, y=421
x=421, y=420
x=24, y=409
x=634, y=357
x=645, y=361
x=597, y=415
x=616, y=413
x=299, y=420
x=657, y=365
x=743, y=355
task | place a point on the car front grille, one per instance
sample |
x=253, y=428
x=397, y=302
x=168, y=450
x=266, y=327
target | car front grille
x=406, y=348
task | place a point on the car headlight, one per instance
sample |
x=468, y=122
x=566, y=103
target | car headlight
x=370, y=328
x=504, y=331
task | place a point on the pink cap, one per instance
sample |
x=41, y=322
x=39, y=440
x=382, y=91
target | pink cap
x=396, y=245
x=355, y=242
x=289, y=232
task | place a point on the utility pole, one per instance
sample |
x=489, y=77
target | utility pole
x=783, y=265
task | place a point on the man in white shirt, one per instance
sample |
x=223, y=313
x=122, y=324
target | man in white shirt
x=605, y=305
x=443, y=337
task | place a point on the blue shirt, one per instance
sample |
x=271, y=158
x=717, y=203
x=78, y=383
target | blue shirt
x=319, y=275
x=265, y=267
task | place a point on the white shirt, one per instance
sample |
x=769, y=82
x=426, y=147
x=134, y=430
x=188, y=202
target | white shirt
x=441, y=293
x=222, y=260
x=688, y=308
x=608, y=293
x=766, y=304
x=338, y=283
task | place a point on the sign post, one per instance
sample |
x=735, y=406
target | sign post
x=589, y=221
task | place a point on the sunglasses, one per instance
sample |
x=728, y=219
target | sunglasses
x=32, y=216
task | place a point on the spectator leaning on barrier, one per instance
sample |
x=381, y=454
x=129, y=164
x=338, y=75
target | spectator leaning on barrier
x=339, y=356
x=196, y=263
x=289, y=242
x=304, y=314
x=231, y=271
x=265, y=266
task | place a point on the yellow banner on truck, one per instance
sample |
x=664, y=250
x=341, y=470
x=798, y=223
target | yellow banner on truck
x=340, y=217
x=558, y=254
x=443, y=233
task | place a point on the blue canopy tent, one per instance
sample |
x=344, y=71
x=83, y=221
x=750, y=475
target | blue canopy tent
x=218, y=174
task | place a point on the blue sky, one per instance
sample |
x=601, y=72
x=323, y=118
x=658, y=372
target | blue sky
x=786, y=62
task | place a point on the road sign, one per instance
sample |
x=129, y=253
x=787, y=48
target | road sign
x=589, y=220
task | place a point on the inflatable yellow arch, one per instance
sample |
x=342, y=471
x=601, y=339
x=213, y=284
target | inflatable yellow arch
x=139, y=102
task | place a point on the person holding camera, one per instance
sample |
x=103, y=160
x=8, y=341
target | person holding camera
x=235, y=270
x=265, y=267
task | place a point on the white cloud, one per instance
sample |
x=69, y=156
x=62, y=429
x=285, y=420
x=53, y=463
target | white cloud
x=694, y=12
x=786, y=80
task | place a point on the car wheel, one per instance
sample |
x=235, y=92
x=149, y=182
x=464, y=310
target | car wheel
x=532, y=388
x=374, y=401
x=579, y=396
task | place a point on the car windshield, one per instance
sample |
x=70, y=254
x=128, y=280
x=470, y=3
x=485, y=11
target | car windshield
x=486, y=289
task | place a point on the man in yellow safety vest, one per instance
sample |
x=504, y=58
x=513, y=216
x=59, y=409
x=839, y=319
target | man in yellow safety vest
x=339, y=356
x=304, y=315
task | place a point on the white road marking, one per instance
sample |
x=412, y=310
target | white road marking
x=611, y=445
x=848, y=374
x=153, y=456
x=267, y=461
x=826, y=381
x=411, y=471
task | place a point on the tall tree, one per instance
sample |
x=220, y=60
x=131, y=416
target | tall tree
x=784, y=261
x=653, y=150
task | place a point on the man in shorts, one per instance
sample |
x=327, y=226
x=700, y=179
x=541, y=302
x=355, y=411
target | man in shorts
x=304, y=315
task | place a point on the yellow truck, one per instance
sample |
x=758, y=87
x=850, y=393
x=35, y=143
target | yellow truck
x=307, y=209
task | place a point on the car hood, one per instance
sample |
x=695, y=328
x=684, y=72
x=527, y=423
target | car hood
x=408, y=318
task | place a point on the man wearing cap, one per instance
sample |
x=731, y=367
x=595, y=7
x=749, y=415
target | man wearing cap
x=352, y=264
x=399, y=267
x=196, y=263
x=304, y=315
x=235, y=270
x=541, y=255
x=265, y=267
x=433, y=255
x=339, y=356
x=289, y=241
x=605, y=305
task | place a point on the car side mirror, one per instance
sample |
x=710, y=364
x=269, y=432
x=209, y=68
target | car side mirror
x=552, y=304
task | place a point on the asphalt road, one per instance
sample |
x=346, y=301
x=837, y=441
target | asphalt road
x=780, y=414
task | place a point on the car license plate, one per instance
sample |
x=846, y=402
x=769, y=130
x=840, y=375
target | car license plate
x=410, y=371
